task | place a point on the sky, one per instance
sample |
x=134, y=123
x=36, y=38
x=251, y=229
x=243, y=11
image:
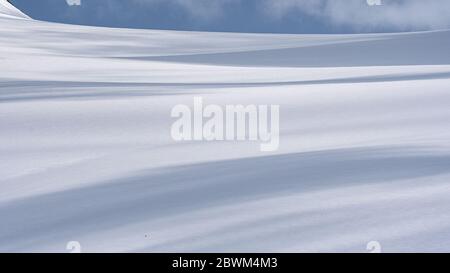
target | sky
x=275, y=16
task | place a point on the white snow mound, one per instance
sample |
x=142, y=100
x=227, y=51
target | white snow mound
x=8, y=10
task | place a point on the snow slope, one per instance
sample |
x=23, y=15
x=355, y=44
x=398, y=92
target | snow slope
x=9, y=11
x=86, y=153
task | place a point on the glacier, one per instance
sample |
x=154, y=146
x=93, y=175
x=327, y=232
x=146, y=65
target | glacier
x=87, y=156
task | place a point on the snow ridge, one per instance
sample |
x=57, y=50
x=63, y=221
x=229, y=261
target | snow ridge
x=9, y=11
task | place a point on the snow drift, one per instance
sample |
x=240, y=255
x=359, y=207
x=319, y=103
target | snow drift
x=86, y=153
x=9, y=11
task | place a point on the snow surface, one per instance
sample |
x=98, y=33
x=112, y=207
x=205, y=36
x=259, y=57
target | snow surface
x=86, y=153
x=9, y=11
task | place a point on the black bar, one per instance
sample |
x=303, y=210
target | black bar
x=233, y=262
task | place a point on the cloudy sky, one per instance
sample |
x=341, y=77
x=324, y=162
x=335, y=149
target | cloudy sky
x=281, y=16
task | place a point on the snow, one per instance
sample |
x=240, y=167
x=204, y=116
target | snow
x=9, y=11
x=86, y=152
